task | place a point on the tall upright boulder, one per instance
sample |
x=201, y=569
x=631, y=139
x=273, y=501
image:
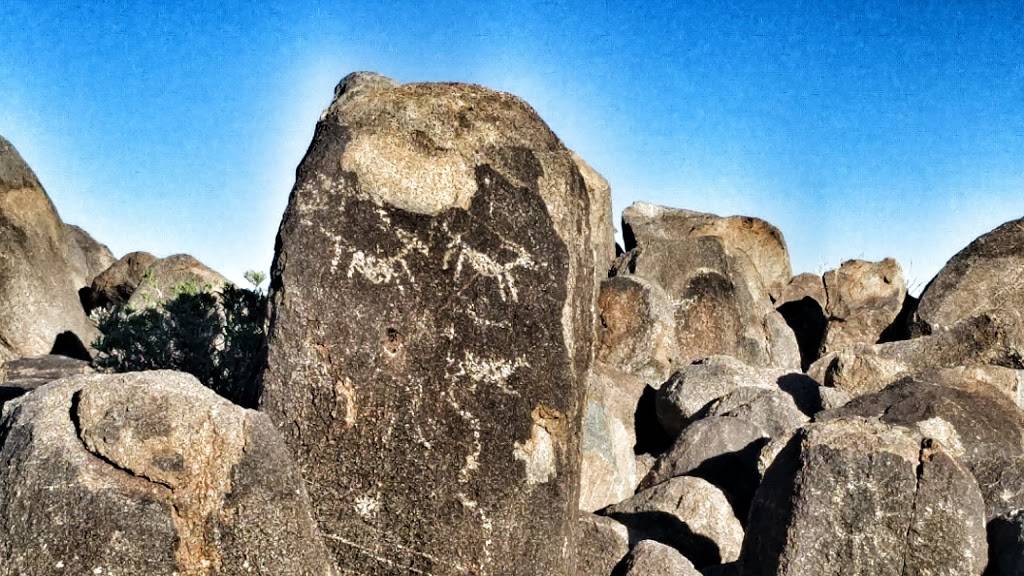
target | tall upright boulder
x=38, y=295
x=602, y=228
x=986, y=275
x=431, y=330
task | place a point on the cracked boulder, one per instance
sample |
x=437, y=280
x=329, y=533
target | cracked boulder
x=862, y=300
x=149, y=473
x=973, y=420
x=758, y=241
x=86, y=256
x=432, y=307
x=167, y=277
x=608, y=472
x=40, y=311
x=986, y=275
x=117, y=283
x=719, y=302
x=686, y=513
x=991, y=339
x=637, y=328
x=859, y=497
x=651, y=558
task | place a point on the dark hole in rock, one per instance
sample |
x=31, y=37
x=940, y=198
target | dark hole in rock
x=901, y=326
x=736, y=475
x=808, y=322
x=68, y=344
x=651, y=438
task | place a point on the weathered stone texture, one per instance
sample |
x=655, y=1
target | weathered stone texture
x=38, y=292
x=862, y=300
x=149, y=473
x=431, y=330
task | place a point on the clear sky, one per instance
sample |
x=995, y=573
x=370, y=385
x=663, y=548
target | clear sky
x=861, y=129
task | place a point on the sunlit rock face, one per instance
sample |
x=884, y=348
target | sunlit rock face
x=431, y=329
x=38, y=287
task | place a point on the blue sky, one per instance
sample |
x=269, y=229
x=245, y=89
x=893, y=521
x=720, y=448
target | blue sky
x=861, y=129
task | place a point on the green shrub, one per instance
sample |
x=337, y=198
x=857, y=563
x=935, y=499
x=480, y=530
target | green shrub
x=217, y=336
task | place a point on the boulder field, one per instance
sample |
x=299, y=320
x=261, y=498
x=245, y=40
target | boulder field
x=462, y=374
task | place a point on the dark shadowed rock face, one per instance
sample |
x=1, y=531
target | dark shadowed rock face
x=38, y=294
x=687, y=513
x=149, y=473
x=85, y=255
x=859, y=497
x=26, y=374
x=862, y=300
x=1006, y=545
x=986, y=275
x=431, y=329
x=118, y=282
x=976, y=422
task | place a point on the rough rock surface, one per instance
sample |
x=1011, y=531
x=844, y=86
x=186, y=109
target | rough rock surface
x=990, y=339
x=805, y=285
x=693, y=387
x=85, y=255
x=602, y=543
x=862, y=300
x=432, y=301
x=608, y=471
x=165, y=279
x=859, y=497
x=637, y=328
x=117, y=283
x=986, y=275
x=973, y=420
x=687, y=513
x=602, y=227
x=758, y=241
x=25, y=374
x=772, y=410
x=149, y=473
x=720, y=303
x=651, y=558
x=720, y=449
x=38, y=294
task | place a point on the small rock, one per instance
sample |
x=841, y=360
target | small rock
x=602, y=544
x=772, y=410
x=651, y=558
x=26, y=374
x=862, y=300
x=687, y=513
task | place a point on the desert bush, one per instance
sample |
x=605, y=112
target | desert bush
x=217, y=336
